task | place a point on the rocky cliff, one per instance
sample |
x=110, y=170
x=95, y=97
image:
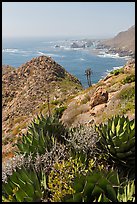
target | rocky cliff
x=123, y=43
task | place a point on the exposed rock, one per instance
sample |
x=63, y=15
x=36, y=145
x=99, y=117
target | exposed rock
x=24, y=90
x=76, y=45
x=100, y=96
x=98, y=108
x=123, y=43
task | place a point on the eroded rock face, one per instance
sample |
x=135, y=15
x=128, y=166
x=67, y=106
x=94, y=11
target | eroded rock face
x=100, y=96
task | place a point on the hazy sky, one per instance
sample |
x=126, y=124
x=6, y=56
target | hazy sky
x=95, y=19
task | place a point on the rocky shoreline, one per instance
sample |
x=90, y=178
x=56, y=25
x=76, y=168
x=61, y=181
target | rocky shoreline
x=113, y=50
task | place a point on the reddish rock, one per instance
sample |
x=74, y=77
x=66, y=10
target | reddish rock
x=100, y=96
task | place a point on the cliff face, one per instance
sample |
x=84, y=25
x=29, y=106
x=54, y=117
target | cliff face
x=24, y=92
x=123, y=41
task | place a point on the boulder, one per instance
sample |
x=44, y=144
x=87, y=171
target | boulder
x=100, y=96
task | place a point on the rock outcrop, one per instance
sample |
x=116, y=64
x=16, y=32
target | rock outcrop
x=76, y=45
x=100, y=96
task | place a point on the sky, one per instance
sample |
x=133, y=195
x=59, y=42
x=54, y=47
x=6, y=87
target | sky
x=53, y=19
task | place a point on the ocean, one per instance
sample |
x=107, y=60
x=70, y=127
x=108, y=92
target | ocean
x=16, y=52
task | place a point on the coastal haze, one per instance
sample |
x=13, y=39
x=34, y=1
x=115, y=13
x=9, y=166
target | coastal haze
x=51, y=19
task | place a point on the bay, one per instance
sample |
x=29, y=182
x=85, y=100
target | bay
x=16, y=52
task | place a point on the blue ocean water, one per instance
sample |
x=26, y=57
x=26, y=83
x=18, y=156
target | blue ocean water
x=16, y=52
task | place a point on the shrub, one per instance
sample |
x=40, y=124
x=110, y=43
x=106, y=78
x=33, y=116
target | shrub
x=117, y=71
x=129, y=79
x=55, y=102
x=61, y=177
x=59, y=111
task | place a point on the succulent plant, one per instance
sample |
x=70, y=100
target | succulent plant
x=23, y=185
x=39, y=165
x=41, y=135
x=117, y=141
x=94, y=185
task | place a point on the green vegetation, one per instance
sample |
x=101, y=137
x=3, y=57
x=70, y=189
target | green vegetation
x=117, y=71
x=41, y=135
x=87, y=164
x=117, y=142
x=129, y=79
x=59, y=111
x=55, y=102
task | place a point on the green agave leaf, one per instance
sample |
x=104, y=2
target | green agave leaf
x=103, y=182
x=28, y=188
x=14, y=177
x=122, y=135
x=77, y=197
x=111, y=194
x=118, y=127
x=94, y=177
x=7, y=188
x=28, y=139
x=104, y=199
x=124, y=155
x=88, y=190
x=112, y=150
x=20, y=147
x=36, y=184
x=25, y=148
x=44, y=182
x=100, y=197
x=113, y=127
x=132, y=124
x=125, y=147
x=79, y=183
x=96, y=192
x=29, y=199
x=20, y=194
x=113, y=178
x=117, y=142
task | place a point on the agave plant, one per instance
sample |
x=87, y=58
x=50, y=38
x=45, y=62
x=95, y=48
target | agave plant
x=41, y=135
x=94, y=186
x=22, y=186
x=22, y=172
x=117, y=141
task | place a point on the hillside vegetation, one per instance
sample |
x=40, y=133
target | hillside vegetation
x=65, y=144
x=115, y=94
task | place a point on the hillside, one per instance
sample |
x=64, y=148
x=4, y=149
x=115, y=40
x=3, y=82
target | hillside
x=113, y=95
x=25, y=93
x=94, y=161
x=123, y=42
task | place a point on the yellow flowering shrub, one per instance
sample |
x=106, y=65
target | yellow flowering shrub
x=61, y=177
